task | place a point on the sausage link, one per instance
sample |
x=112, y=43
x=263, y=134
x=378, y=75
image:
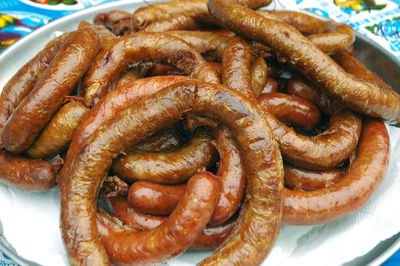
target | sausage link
x=59, y=132
x=161, y=199
x=236, y=66
x=129, y=76
x=115, y=101
x=324, y=151
x=211, y=44
x=136, y=47
x=210, y=238
x=195, y=10
x=123, y=210
x=303, y=179
x=271, y=85
x=172, y=237
x=290, y=109
x=168, y=168
x=153, y=198
x=106, y=36
x=167, y=139
x=260, y=214
x=358, y=184
x=302, y=88
x=232, y=177
x=329, y=36
x=307, y=58
x=26, y=174
x=19, y=86
x=259, y=75
x=163, y=70
x=179, y=22
x=36, y=110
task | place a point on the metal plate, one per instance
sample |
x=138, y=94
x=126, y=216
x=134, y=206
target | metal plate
x=371, y=54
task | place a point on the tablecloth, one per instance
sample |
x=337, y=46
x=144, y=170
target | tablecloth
x=379, y=20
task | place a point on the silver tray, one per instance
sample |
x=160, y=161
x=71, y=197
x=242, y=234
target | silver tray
x=370, y=53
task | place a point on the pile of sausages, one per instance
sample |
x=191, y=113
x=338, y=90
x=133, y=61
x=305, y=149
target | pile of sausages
x=201, y=125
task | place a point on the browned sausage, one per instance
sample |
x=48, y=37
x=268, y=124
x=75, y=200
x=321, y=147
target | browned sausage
x=167, y=139
x=210, y=238
x=301, y=87
x=36, y=110
x=303, y=179
x=324, y=151
x=161, y=199
x=123, y=210
x=271, y=85
x=195, y=10
x=115, y=101
x=172, y=237
x=58, y=133
x=211, y=44
x=307, y=58
x=129, y=76
x=232, y=177
x=168, y=168
x=259, y=75
x=261, y=212
x=290, y=109
x=179, y=22
x=359, y=183
x=153, y=198
x=26, y=174
x=137, y=47
x=106, y=36
x=236, y=66
x=25, y=79
x=329, y=36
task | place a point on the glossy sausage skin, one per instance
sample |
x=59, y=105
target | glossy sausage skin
x=136, y=47
x=210, y=238
x=59, y=132
x=236, y=66
x=307, y=58
x=172, y=237
x=106, y=36
x=26, y=174
x=122, y=209
x=195, y=10
x=19, y=86
x=36, y=110
x=303, y=179
x=153, y=198
x=329, y=36
x=302, y=88
x=231, y=176
x=262, y=211
x=211, y=44
x=259, y=75
x=115, y=101
x=324, y=151
x=359, y=183
x=271, y=85
x=290, y=109
x=167, y=139
x=168, y=168
x=161, y=200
